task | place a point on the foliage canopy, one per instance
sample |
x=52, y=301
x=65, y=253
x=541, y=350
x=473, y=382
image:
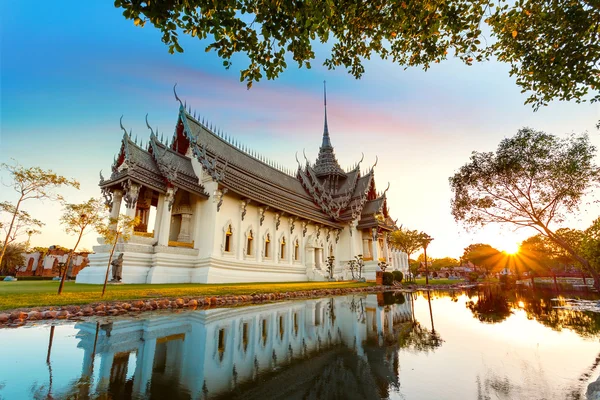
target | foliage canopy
x=552, y=47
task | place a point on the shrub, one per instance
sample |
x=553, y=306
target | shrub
x=393, y=298
x=472, y=276
x=435, y=274
x=398, y=276
x=388, y=279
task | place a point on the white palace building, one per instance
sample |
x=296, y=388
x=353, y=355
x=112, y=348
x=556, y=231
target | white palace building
x=226, y=214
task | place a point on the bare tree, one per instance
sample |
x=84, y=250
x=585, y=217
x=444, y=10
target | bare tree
x=79, y=219
x=30, y=184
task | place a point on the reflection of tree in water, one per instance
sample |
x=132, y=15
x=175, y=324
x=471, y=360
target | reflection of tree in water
x=358, y=306
x=416, y=338
x=495, y=305
x=491, y=306
x=541, y=308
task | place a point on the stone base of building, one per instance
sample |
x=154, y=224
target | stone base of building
x=180, y=265
x=149, y=263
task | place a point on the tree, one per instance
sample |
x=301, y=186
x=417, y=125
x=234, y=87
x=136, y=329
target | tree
x=552, y=46
x=444, y=262
x=29, y=183
x=533, y=180
x=590, y=244
x=21, y=223
x=112, y=230
x=483, y=256
x=78, y=219
x=407, y=240
x=13, y=258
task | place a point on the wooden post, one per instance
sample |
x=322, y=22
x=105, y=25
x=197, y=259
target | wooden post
x=583, y=276
x=555, y=283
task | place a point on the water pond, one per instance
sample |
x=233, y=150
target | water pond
x=480, y=344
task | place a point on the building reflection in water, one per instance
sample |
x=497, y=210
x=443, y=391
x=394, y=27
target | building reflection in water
x=338, y=347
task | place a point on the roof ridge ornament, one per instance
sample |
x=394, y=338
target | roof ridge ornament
x=149, y=127
x=177, y=97
x=122, y=127
x=376, y=160
x=385, y=191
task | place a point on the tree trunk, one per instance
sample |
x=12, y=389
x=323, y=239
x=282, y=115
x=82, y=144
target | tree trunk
x=112, y=251
x=10, y=227
x=64, y=274
x=582, y=260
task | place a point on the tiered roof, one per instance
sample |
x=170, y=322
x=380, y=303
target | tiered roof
x=321, y=192
x=156, y=167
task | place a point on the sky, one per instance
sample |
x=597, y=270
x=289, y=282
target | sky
x=69, y=70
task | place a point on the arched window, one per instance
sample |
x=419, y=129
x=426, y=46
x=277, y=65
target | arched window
x=267, y=245
x=264, y=332
x=296, y=251
x=249, y=240
x=282, y=255
x=221, y=344
x=281, y=327
x=245, y=336
x=295, y=324
x=228, y=236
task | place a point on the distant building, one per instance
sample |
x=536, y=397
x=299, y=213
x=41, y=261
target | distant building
x=224, y=213
x=49, y=262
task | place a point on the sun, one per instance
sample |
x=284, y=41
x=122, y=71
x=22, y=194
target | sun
x=511, y=248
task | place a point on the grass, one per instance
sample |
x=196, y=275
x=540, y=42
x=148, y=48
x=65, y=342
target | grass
x=434, y=282
x=27, y=294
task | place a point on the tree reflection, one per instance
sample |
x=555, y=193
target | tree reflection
x=492, y=305
x=416, y=338
x=541, y=308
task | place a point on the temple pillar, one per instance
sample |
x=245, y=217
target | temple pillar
x=116, y=207
x=132, y=192
x=106, y=362
x=242, y=241
x=143, y=366
x=88, y=361
x=165, y=217
x=386, y=249
x=275, y=242
x=258, y=247
x=375, y=245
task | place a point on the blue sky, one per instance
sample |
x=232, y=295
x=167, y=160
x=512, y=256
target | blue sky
x=70, y=69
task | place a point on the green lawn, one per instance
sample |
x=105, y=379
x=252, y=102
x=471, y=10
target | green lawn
x=433, y=282
x=43, y=293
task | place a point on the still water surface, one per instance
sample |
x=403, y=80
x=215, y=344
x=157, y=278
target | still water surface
x=461, y=345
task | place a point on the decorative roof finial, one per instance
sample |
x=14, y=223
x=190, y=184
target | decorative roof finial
x=121, y=123
x=149, y=127
x=385, y=191
x=376, y=160
x=304, y=152
x=177, y=97
x=326, y=141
